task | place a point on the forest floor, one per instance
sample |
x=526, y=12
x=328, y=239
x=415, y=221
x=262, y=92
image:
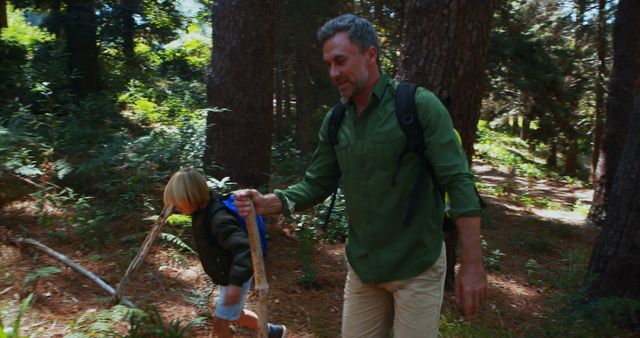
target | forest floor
x=536, y=245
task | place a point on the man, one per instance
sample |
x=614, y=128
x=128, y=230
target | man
x=396, y=271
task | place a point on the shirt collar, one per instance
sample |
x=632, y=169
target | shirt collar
x=378, y=90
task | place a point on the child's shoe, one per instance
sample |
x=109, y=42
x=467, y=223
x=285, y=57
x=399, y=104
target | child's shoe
x=277, y=331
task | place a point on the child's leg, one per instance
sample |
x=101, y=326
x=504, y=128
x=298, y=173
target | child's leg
x=225, y=315
x=249, y=319
x=221, y=328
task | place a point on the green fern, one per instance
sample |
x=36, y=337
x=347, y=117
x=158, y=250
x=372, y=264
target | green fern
x=173, y=239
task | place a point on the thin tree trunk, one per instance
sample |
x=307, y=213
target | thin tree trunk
x=526, y=127
x=241, y=81
x=303, y=102
x=278, y=121
x=80, y=26
x=552, y=157
x=127, y=11
x=515, y=128
x=571, y=158
x=599, y=90
x=4, y=23
x=624, y=79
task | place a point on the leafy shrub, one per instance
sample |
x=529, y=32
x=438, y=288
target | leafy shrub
x=14, y=330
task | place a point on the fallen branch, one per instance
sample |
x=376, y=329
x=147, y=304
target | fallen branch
x=144, y=250
x=63, y=259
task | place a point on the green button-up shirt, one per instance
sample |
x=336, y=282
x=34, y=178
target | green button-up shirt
x=379, y=246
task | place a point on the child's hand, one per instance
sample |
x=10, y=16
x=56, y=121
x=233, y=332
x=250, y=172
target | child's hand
x=233, y=294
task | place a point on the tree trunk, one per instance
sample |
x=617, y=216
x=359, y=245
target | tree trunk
x=80, y=26
x=241, y=81
x=444, y=49
x=624, y=77
x=571, y=151
x=552, y=157
x=278, y=119
x=571, y=158
x=515, y=127
x=525, y=131
x=4, y=23
x=127, y=10
x=614, y=270
x=303, y=102
x=599, y=89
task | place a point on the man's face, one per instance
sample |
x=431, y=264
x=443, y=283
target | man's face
x=347, y=65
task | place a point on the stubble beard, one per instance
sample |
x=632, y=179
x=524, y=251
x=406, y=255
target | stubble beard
x=359, y=85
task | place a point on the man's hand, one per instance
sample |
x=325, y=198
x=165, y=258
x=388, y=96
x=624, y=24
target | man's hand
x=471, y=289
x=264, y=204
x=471, y=281
x=243, y=199
x=233, y=294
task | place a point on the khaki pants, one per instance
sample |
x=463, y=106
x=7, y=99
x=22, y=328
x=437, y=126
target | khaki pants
x=411, y=306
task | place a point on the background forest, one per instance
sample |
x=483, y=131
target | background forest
x=100, y=101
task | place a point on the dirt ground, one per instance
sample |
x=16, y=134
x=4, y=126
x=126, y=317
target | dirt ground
x=178, y=287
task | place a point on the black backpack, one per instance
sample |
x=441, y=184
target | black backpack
x=408, y=119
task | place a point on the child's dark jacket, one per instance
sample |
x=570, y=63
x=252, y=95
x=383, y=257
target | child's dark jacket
x=221, y=243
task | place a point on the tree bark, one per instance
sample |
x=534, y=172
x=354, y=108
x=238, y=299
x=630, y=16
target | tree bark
x=127, y=10
x=278, y=120
x=303, y=102
x=622, y=88
x=4, y=23
x=241, y=81
x=614, y=269
x=599, y=89
x=515, y=127
x=571, y=157
x=444, y=49
x=552, y=157
x=80, y=28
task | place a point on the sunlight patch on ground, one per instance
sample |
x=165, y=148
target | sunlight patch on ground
x=571, y=217
x=511, y=286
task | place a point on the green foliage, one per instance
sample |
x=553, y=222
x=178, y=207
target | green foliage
x=151, y=325
x=307, y=235
x=577, y=315
x=338, y=228
x=507, y=150
x=41, y=273
x=176, y=241
x=459, y=328
x=14, y=330
x=572, y=271
x=493, y=258
x=22, y=32
x=198, y=298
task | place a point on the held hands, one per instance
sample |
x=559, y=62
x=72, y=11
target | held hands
x=471, y=289
x=233, y=294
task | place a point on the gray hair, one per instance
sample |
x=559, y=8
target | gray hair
x=360, y=31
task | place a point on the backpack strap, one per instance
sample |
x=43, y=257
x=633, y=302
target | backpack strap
x=407, y=116
x=335, y=120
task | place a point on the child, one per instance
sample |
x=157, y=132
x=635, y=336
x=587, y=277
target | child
x=223, y=247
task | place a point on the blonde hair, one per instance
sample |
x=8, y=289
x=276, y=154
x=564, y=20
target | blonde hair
x=187, y=189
